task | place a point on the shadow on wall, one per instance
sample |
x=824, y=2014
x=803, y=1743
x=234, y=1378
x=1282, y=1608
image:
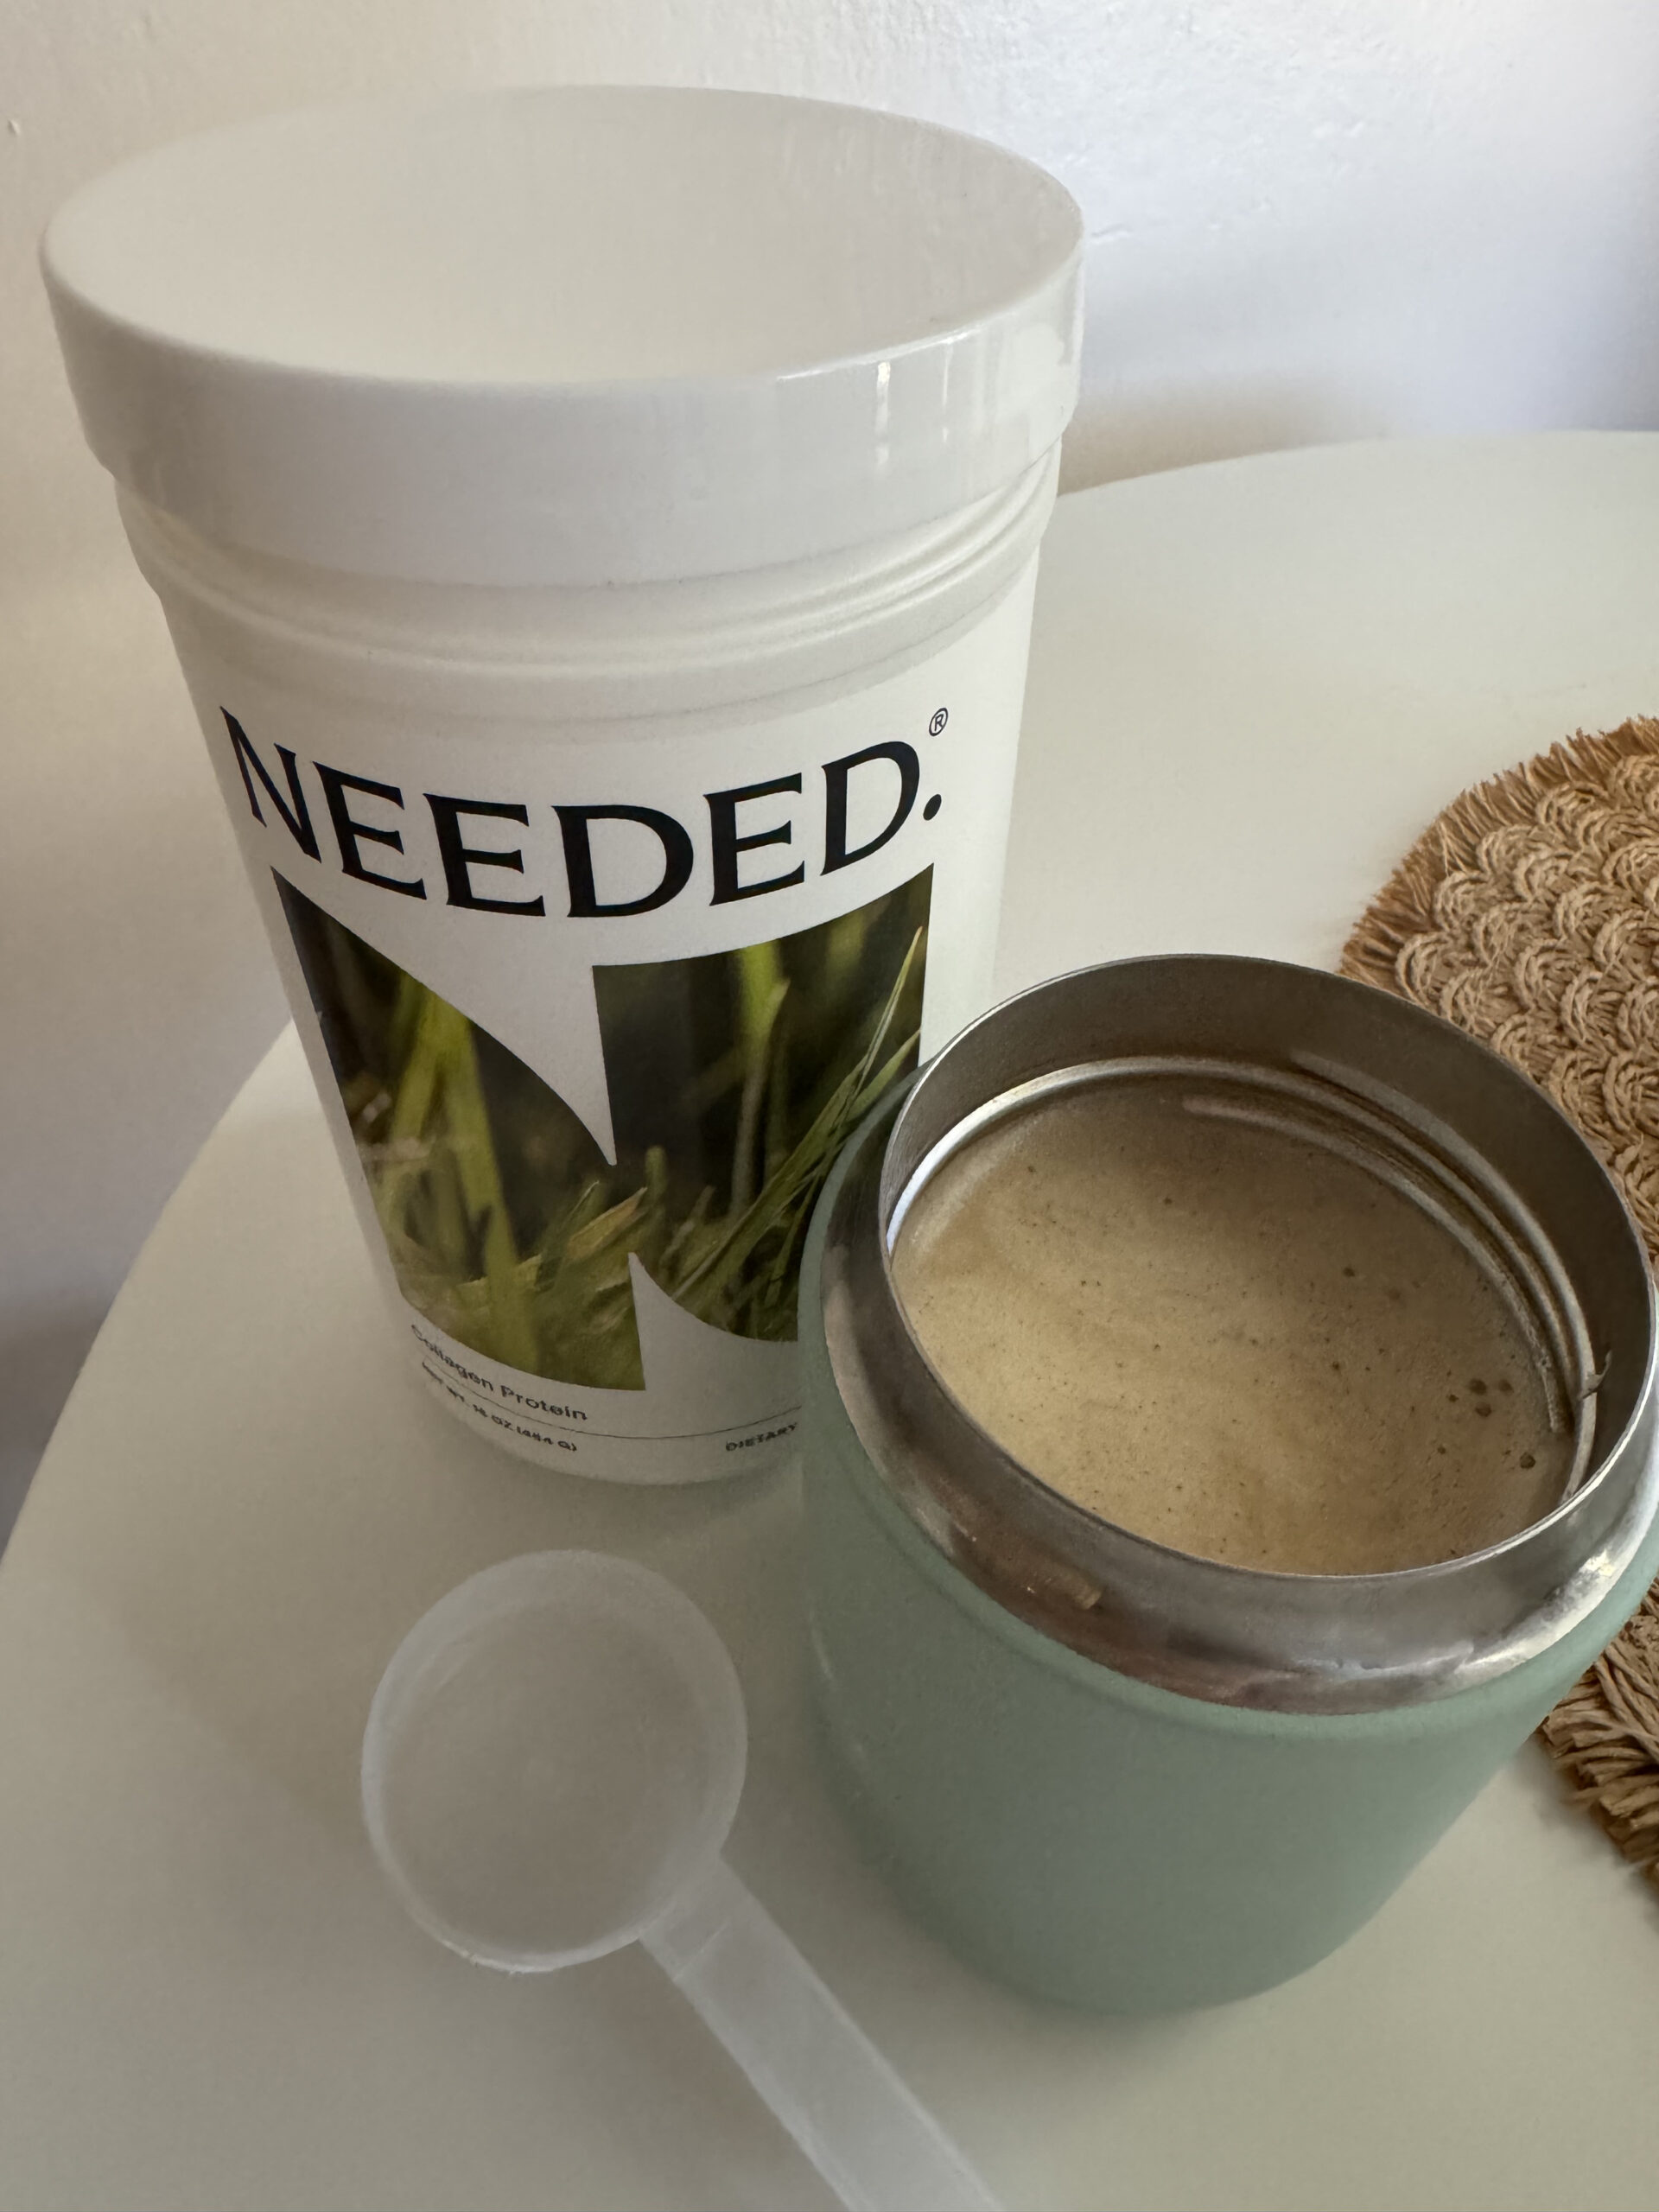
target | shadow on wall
x=1132, y=435
x=38, y=1364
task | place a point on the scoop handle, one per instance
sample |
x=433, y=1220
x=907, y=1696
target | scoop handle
x=878, y=2148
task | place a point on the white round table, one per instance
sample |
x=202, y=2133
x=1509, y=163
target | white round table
x=1252, y=684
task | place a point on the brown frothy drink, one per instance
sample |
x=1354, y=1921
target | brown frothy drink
x=1226, y=1339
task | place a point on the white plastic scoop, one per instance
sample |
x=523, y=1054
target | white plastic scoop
x=552, y=1763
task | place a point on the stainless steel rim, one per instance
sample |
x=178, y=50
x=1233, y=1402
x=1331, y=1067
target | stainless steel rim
x=1420, y=1104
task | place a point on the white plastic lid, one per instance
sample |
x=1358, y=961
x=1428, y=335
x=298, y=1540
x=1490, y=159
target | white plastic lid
x=571, y=335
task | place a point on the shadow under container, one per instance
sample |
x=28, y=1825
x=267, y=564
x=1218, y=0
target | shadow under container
x=1134, y=1780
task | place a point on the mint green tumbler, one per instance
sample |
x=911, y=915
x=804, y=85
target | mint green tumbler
x=1122, y=1777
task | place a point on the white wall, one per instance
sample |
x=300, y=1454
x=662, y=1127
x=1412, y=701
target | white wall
x=1309, y=219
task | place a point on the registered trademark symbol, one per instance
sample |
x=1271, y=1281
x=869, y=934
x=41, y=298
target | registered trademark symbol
x=938, y=722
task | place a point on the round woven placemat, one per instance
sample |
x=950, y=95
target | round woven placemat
x=1528, y=914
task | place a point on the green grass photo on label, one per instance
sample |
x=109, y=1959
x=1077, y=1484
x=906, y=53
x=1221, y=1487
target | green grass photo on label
x=734, y=1079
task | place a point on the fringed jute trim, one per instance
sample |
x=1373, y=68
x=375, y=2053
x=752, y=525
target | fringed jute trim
x=1528, y=914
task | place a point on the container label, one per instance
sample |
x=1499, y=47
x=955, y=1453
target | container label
x=593, y=1018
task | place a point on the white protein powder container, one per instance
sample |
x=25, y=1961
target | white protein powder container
x=598, y=529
